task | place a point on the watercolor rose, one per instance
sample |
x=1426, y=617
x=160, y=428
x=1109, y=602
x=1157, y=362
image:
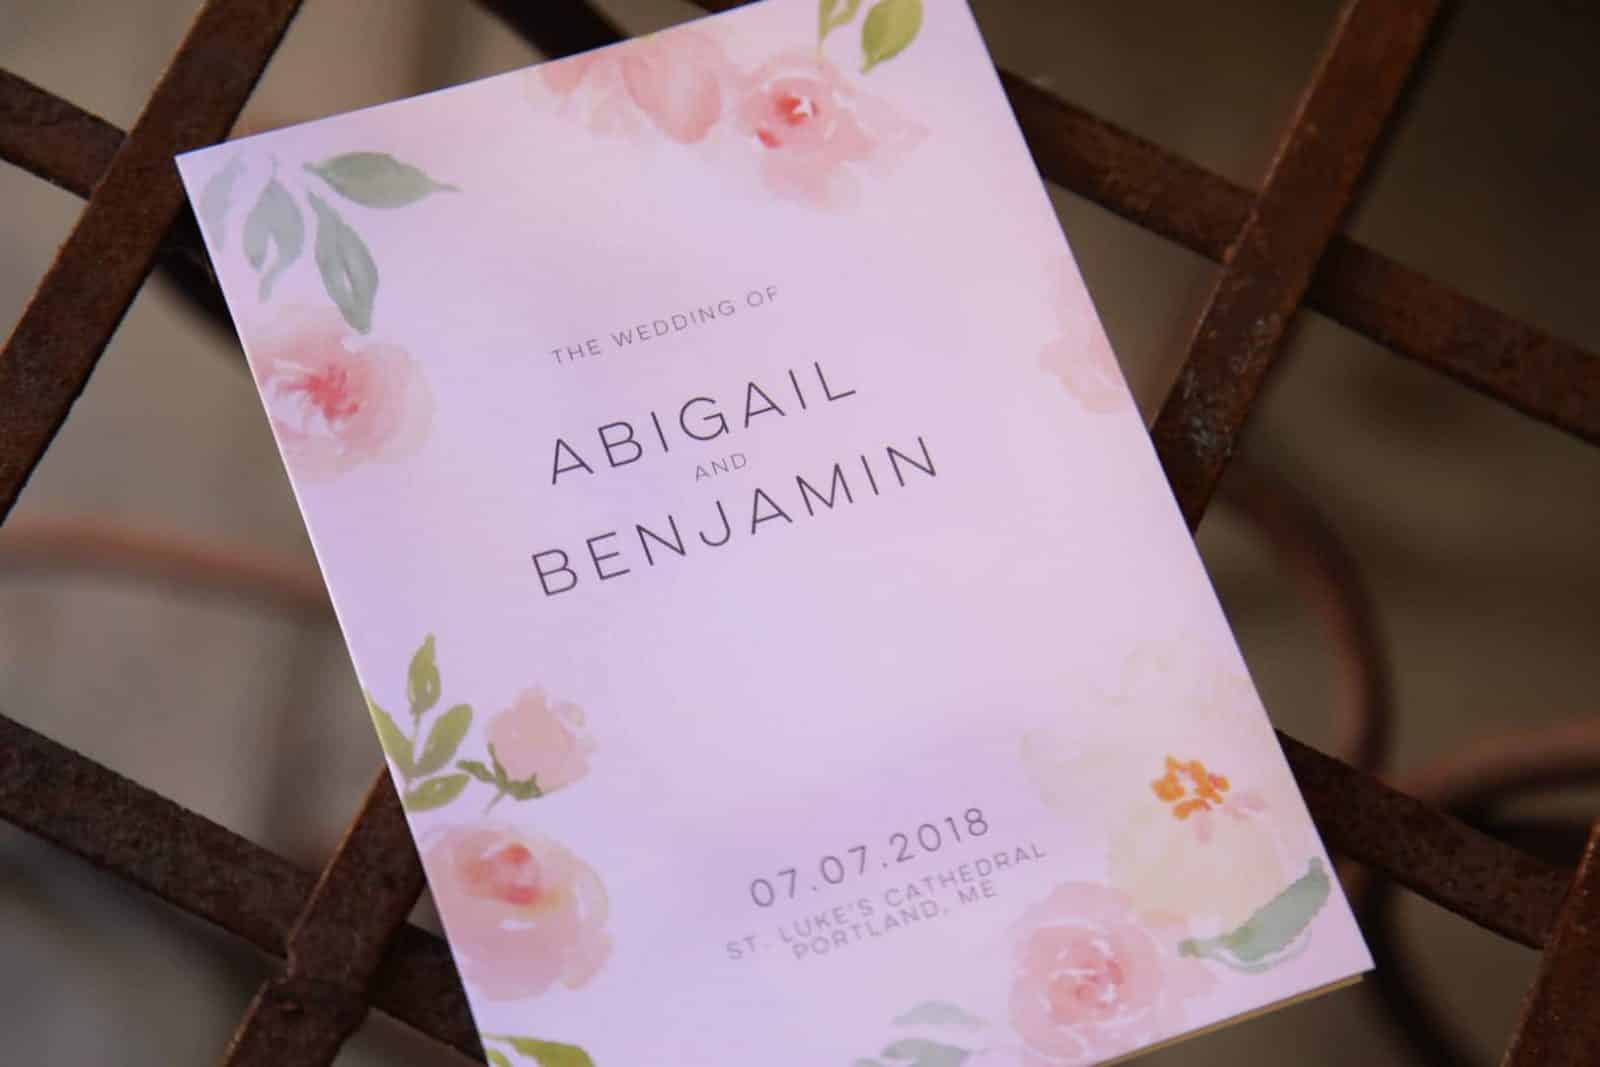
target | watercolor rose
x=337, y=400
x=522, y=912
x=1205, y=821
x=812, y=130
x=678, y=82
x=542, y=740
x=1094, y=979
x=1080, y=357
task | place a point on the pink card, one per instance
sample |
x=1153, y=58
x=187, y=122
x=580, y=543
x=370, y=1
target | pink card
x=766, y=593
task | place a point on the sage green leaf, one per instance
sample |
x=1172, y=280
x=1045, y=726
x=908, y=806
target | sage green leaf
x=551, y=1053
x=376, y=179
x=275, y=220
x=497, y=1058
x=502, y=777
x=349, y=273
x=938, y=1013
x=444, y=739
x=477, y=769
x=396, y=745
x=435, y=792
x=889, y=29
x=215, y=199
x=1262, y=941
x=831, y=14
x=524, y=789
x=422, y=679
x=918, y=1053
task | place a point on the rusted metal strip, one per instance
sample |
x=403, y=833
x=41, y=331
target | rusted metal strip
x=418, y=984
x=144, y=838
x=306, y=1014
x=1484, y=349
x=69, y=321
x=1269, y=266
x=55, y=140
x=185, y=859
x=1415, y=316
x=1560, y=1025
x=1431, y=853
x=71, y=148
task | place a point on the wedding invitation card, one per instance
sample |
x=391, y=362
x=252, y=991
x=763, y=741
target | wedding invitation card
x=764, y=589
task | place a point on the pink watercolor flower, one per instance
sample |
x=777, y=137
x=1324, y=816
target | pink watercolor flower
x=813, y=130
x=1080, y=357
x=336, y=400
x=522, y=912
x=678, y=81
x=541, y=739
x=1094, y=981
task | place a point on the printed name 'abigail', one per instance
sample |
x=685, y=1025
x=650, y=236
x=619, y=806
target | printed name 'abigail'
x=699, y=418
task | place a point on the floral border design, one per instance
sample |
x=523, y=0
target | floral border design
x=547, y=749
x=808, y=130
x=523, y=912
x=348, y=270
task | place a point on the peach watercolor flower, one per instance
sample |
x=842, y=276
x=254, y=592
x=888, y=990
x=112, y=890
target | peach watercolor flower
x=1094, y=980
x=1080, y=356
x=541, y=739
x=1185, y=772
x=813, y=130
x=678, y=81
x=522, y=912
x=336, y=399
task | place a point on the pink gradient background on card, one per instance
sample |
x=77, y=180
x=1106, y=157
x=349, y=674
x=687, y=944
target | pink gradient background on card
x=1027, y=634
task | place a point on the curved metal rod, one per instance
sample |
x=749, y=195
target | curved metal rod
x=32, y=544
x=1327, y=576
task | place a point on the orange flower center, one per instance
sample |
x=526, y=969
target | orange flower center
x=509, y=873
x=330, y=393
x=1188, y=787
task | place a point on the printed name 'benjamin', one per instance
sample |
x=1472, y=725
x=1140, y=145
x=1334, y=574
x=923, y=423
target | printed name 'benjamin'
x=611, y=554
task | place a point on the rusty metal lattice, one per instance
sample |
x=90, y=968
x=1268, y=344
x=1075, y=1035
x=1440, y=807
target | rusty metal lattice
x=343, y=933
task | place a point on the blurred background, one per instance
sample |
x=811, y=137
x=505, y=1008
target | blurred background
x=1473, y=527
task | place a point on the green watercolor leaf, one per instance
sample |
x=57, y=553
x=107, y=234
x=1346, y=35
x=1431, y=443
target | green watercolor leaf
x=376, y=179
x=916, y=1052
x=889, y=29
x=502, y=777
x=422, y=679
x=275, y=220
x=215, y=199
x=1271, y=930
x=396, y=745
x=497, y=1058
x=349, y=273
x=435, y=792
x=523, y=789
x=477, y=769
x=551, y=1053
x=444, y=739
x=938, y=1013
x=832, y=14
